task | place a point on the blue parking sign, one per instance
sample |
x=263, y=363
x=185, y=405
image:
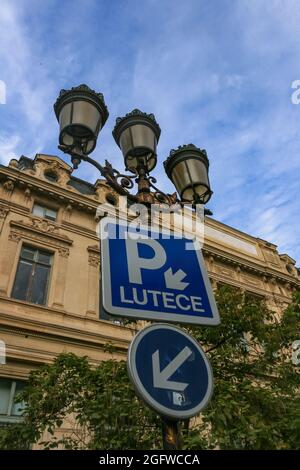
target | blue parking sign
x=149, y=276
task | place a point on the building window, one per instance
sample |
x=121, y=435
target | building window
x=51, y=176
x=45, y=212
x=32, y=278
x=10, y=409
x=254, y=298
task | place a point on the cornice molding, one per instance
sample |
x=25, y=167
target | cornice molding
x=237, y=261
x=42, y=309
x=79, y=230
x=244, y=286
x=51, y=190
x=228, y=230
x=39, y=229
x=91, y=341
x=62, y=333
x=13, y=206
x=94, y=249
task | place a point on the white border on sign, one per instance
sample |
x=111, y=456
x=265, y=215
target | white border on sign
x=150, y=314
x=143, y=393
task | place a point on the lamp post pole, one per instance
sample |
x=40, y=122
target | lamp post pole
x=81, y=113
x=171, y=434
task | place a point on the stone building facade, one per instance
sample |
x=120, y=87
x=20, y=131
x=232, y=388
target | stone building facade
x=49, y=270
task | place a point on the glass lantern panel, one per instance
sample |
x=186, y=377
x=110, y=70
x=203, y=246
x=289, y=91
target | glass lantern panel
x=90, y=145
x=198, y=171
x=136, y=140
x=65, y=116
x=67, y=139
x=148, y=160
x=188, y=194
x=143, y=136
x=86, y=115
x=180, y=177
x=190, y=176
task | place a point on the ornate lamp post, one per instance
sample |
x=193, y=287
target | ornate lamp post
x=81, y=113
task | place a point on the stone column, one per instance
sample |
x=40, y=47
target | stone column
x=60, y=281
x=93, y=283
x=274, y=286
x=211, y=263
x=3, y=213
x=266, y=284
x=214, y=284
x=7, y=262
x=238, y=273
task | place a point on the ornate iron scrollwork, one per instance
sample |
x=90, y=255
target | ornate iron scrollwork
x=123, y=183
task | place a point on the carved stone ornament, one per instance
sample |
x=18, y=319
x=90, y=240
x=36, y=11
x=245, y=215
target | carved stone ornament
x=64, y=252
x=44, y=166
x=27, y=193
x=3, y=211
x=13, y=163
x=101, y=190
x=44, y=225
x=15, y=237
x=9, y=185
x=94, y=260
x=94, y=255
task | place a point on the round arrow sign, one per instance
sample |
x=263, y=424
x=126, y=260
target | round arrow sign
x=170, y=371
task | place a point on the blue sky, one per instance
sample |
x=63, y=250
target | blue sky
x=216, y=73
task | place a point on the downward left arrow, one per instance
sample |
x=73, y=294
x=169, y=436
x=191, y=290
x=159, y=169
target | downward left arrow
x=175, y=280
x=161, y=378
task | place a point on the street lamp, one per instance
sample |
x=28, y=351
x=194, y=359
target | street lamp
x=81, y=113
x=137, y=135
x=187, y=168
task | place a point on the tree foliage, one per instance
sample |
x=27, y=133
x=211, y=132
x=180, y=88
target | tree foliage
x=256, y=402
x=98, y=404
x=255, y=405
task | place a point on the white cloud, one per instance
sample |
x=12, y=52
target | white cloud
x=28, y=89
x=8, y=147
x=218, y=75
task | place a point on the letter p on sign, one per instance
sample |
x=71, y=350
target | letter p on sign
x=136, y=263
